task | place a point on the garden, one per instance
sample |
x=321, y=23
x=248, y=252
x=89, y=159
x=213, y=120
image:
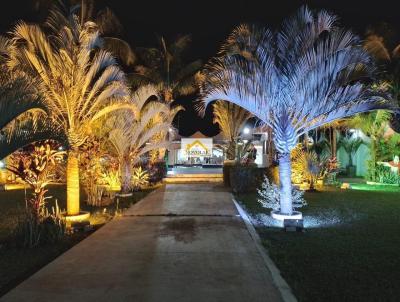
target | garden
x=87, y=123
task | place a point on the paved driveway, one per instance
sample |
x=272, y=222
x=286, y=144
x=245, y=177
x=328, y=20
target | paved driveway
x=181, y=243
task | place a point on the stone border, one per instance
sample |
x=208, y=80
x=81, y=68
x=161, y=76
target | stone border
x=279, y=282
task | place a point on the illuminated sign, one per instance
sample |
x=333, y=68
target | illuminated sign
x=201, y=147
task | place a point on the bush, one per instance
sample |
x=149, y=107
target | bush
x=270, y=196
x=246, y=178
x=157, y=171
x=32, y=231
x=226, y=172
x=386, y=175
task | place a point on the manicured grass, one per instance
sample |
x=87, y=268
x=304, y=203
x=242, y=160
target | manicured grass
x=356, y=259
x=17, y=264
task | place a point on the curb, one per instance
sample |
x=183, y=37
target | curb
x=279, y=282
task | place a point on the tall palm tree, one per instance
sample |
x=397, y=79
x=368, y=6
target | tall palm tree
x=79, y=81
x=165, y=67
x=231, y=119
x=136, y=132
x=299, y=78
x=108, y=24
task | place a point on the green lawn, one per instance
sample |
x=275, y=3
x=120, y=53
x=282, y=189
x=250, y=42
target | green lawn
x=354, y=256
x=16, y=264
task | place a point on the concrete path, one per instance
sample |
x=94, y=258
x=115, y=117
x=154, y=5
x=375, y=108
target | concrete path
x=180, y=243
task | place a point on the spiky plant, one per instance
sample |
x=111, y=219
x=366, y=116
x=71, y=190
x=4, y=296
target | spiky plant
x=164, y=67
x=79, y=81
x=307, y=74
x=231, y=120
x=136, y=133
x=351, y=146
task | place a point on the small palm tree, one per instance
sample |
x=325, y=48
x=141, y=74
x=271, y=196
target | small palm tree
x=299, y=78
x=351, y=146
x=164, y=67
x=137, y=132
x=79, y=81
x=231, y=119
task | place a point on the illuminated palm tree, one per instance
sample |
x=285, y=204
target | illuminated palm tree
x=79, y=81
x=165, y=68
x=108, y=24
x=297, y=79
x=137, y=132
x=20, y=107
x=231, y=120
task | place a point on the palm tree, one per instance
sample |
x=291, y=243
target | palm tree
x=373, y=124
x=165, y=67
x=231, y=120
x=108, y=24
x=79, y=81
x=137, y=132
x=21, y=108
x=297, y=79
x=351, y=146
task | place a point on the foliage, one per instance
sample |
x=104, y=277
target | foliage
x=157, y=171
x=36, y=168
x=309, y=73
x=140, y=178
x=231, y=120
x=245, y=177
x=134, y=134
x=386, y=175
x=49, y=228
x=165, y=68
x=351, y=146
x=269, y=196
x=79, y=81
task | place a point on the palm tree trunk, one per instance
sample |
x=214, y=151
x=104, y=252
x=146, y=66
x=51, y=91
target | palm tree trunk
x=73, y=183
x=285, y=183
x=334, y=142
x=125, y=175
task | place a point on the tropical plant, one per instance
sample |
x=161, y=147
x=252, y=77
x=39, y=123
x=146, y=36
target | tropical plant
x=307, y=165
x=269, y=196
x=135, y=133
x=351, y=146
x=36, y=168
x=140, y=178
x=165, y=68
x=299, y=78
x=373, y=124
x=109, y=27
x=79, y=81
x=231, y=120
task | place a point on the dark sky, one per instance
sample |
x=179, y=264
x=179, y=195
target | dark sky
x=209, y=22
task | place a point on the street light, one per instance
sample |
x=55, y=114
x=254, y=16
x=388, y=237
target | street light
x=246, y=130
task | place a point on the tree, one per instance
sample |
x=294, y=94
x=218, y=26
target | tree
x=351, y=146
x=299, y=78
x=373, y=124
x=165, y=68
x=231, y=120
x=21, y=108
x=79, y=81
x=137, y=132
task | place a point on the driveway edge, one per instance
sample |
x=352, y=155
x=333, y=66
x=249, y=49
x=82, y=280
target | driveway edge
x=279, y=282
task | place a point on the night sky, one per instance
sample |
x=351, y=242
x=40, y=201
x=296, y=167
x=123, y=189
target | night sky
x=209, y=22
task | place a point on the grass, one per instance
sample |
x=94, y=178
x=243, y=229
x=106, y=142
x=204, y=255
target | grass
x=357, y=259
x=17, y=264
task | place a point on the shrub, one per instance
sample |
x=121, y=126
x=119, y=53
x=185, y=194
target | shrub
x=270, y=196
x=157, y=171
x=226, y=172
x=140, y=178
x=32, y=231
x=386, y=175
x=246, y=178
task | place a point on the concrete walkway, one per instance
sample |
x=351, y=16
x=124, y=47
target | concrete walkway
x=180, y=243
